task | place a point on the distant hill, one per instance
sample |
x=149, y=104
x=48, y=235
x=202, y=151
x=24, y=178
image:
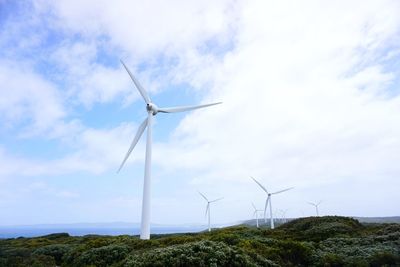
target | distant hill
x=278, y=221
x=80, y=229
x=312, y=241
x=261, y=223
x=393, y=219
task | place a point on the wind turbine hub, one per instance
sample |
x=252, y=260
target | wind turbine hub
x=152, y=108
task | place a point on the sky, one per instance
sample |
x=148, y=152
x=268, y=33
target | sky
x=311, y=100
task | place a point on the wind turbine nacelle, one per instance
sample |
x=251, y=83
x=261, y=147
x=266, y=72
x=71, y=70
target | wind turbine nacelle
x=152, y=108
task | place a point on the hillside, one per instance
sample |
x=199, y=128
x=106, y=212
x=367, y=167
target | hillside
x=393, y=219
x=279, y=221
x=312, y=241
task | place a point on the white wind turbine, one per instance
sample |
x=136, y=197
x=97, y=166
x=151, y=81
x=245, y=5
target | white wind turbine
x=283, y=215
x=152, y=110
x=316, y=206
x=208, y=211
x=255, y=214
x=269, y=200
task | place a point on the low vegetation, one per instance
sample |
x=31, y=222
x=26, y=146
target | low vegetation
x=313, y=241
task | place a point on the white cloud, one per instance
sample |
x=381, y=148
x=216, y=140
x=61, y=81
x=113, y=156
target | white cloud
x=98, y=151
x=148, y=28
x=28, y=99
x=94, y=151
x=87, y=81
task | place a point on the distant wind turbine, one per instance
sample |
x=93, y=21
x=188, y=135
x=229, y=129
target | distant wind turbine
x=152, y=110
x=255, y=214
x=269, y=200
x=208, y=211
x=316, y=206
x=283, y=215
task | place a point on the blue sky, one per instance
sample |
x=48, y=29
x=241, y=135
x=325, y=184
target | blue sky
x=310, y=94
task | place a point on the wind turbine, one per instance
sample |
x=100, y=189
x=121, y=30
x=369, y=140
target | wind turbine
x=283, y=214
x=316, y=206
x=208, y=209
x=255, y=214
x=269, y=200
x=152, y=110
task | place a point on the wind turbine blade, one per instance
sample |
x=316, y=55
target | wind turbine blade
x=263, y=188
x=134, y=142
x=254, y=206
x=203, y=196
x=311, y=203
x=319, y=202
x=215, y=200
x=185, y=108
x=138, y=85
x=284, y=190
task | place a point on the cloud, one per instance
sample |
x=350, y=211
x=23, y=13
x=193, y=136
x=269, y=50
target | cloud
x=43, y=188
x=88, y=82
x=140, y=27
x=93, y=151
x=27, y=99
x=98, y=150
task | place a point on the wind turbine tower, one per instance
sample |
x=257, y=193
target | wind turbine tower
x=269, y=201
x=152, y=110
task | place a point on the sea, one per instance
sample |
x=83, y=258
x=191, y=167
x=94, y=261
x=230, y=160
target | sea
x=35, y=231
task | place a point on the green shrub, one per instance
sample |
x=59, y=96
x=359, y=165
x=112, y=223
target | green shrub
x=202, y=253
x=96, y=241
x=294, y=252
x=35, y=242
x=384, y=259
x=357, y=251
x=227, y=238
x=321, y=228
x=22, y=258
x=57, y=251
x=330, y=260
x=17, y=252
x=175, y=240
x=41, y=261
x=56, y=236
x=389, y=229
x=102, y=256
